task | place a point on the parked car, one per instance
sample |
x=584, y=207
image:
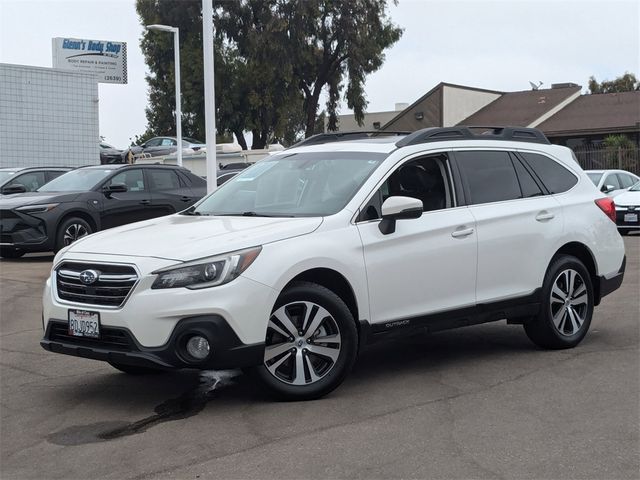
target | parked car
x=227, y=172
x=612, y=182
x=628, y=210
x=27, y=179
x=89, y=199
x=111, y=154
x=159, y=146
x=294, y=264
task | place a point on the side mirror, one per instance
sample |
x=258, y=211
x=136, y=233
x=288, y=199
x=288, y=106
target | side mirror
x=13, y=188
x=608, y=188
x=114, y=188
x=398, y=208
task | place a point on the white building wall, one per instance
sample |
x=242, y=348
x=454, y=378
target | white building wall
x=47, y=117
x=459, y=103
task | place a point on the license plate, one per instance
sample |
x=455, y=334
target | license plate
x=84, y=324
x=630, y=217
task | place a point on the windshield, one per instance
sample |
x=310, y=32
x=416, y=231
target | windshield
x=5, y=175
x=297, y=184
x=635, y=188
x=594, y=177
x=83, y=179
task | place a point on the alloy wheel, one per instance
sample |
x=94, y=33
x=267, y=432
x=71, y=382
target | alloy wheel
x=73, y=232
x=569, y=302
x=303, y=343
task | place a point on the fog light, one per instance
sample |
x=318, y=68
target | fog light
x=198, y=347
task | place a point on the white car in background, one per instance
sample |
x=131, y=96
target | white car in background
x=628, y=210
x=612, y=182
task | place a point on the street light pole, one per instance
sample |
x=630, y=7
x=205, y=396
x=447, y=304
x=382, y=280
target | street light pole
x=176, y=56
x=209, y=95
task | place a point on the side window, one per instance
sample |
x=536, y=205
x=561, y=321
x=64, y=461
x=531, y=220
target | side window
x=154, y=142
x=164, y=179
x=490, y=176
x=425, y=179
x=555, y=177
x=528, y=185
x=133, y=179
x=167, y=142
x=626, y=180
x=51, y=174
x=612, y=179
x=31, y=181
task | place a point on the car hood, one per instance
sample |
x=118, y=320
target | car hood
x=627, y=198
x=184, y=237
x=8, y=202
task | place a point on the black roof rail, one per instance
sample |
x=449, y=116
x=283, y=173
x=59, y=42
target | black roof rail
x=330, y=137
x=436, y=134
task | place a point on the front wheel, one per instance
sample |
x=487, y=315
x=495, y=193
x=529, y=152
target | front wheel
x=311, y=343
x=70, y=230
x=566, y=305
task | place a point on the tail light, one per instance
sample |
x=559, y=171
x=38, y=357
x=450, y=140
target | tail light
x=608, y=207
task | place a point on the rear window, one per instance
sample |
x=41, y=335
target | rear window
x=554, y=176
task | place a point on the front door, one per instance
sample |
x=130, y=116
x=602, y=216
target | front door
x=427, y=265
x=131, y=206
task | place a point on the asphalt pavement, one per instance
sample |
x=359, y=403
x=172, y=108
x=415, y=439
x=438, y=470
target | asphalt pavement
x=478, y=402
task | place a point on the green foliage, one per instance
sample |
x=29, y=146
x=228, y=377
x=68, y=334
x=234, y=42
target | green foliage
x=618, y=141
x=624, y=83
x=273, y=60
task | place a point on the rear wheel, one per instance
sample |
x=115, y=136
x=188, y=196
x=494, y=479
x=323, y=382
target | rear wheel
x=311, y=343
x=135, y=370
x=70, y=230
x=7, y=252
x=566, y=306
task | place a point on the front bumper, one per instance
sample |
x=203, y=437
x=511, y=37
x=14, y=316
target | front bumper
x=23, y=231
x=118, y=345
x=232, y=316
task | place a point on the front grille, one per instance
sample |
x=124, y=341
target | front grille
x=110, y=338
x=113, y=284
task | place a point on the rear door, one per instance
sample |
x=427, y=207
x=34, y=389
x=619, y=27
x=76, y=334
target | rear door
x=169, y=193
x=131, y=206
x=516, y=223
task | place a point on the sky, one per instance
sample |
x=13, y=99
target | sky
x=499, y=45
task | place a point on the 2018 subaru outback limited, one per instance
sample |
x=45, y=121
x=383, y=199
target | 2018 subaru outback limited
x=294, y=264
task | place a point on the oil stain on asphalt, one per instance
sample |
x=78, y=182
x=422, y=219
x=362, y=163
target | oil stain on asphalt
x=186, y=405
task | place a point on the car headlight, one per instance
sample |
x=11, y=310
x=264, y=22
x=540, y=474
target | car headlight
x=206, y=272
x=37, y=208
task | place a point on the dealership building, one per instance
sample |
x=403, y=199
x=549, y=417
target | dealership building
x=48, y=117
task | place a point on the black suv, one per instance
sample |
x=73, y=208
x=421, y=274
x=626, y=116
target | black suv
x=29, y=179
x=89, y=199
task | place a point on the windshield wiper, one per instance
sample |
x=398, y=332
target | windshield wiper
x=249, y=214
x=191, y=211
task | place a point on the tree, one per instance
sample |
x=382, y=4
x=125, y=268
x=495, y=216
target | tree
x=624, y=83
x=333, y=43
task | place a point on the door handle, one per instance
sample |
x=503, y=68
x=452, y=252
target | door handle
x=462, y=232
x=544, y=215
x=145, y=202
x=184, y=198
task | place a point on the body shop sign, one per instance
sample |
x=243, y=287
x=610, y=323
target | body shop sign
x=106, y=60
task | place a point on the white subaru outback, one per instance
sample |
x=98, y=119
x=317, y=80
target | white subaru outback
x=292, y=266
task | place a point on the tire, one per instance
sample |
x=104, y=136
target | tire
x=316, y=313
x=11, y=252
x=135, y=370
x=565, y=312
x=70, y=230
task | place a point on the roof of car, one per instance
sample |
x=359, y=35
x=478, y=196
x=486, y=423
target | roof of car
x=20, y=169
x=116, y=166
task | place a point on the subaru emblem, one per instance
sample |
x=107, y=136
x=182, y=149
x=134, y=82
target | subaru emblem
x=89, y=276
